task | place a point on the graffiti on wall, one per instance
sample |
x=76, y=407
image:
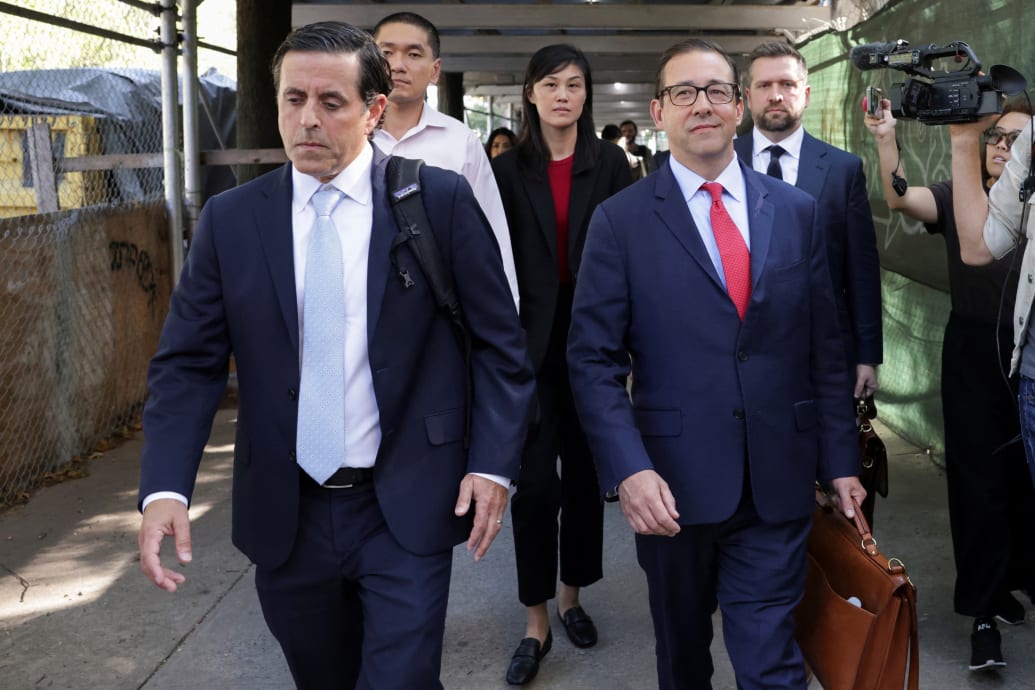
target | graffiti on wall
x=128, y=255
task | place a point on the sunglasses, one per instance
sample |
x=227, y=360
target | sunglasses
x=993, y=135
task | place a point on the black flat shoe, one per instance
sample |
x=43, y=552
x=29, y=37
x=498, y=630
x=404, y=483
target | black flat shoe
x=525, y=662
x=579, y=627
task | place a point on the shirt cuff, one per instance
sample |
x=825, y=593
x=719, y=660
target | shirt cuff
x=499, y=479
x=162, y=494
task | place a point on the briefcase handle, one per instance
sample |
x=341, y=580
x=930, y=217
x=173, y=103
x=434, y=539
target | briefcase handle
x=868, y=543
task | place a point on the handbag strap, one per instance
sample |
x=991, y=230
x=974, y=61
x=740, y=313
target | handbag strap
x=895, y=567
x=913, y=678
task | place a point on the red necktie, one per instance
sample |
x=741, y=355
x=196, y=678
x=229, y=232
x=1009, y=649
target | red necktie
x=736, y=261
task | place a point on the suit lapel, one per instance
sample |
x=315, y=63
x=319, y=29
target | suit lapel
x=583, y=181
x=760, y=223
x=381, y=235
x=273, y=220
x=812, y=167
x=537, y=186
x=671, y=208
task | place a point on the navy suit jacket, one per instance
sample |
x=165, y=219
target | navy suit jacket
x=710, y=392
x=835, y=178
x=237, y=295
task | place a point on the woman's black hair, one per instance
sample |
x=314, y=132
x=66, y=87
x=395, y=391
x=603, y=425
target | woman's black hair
x=611, y=133
x=532, y=150
x=499, y=132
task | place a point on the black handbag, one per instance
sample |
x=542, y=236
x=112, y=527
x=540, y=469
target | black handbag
x=873, y=456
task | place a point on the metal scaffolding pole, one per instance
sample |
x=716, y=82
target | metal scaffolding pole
x=170, y=136
x=191, y=146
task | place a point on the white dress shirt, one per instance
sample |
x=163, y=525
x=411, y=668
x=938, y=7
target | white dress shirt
x=353, y=220
x=790, y=159
x=700, y=202
x=445, y=142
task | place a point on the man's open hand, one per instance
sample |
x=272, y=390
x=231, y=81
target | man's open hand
x=164, y=517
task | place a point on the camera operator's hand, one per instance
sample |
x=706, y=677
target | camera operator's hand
x=915, y=202
x=969, y=133
x=882, y=125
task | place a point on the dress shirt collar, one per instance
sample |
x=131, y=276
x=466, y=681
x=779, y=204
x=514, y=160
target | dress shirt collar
x=429, y=118
x=353, y=181
x=791, y=145
x=731, y=179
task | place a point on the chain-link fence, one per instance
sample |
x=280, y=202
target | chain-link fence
x=84, y=232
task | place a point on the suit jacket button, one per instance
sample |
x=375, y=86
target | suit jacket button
x=738, y=413
x=742, y=356
x=291, y=456
x=292, y=393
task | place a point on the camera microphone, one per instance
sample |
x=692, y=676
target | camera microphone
x=872, y=55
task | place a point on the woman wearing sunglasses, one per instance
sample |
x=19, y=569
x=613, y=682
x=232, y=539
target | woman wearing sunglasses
x=990, y=495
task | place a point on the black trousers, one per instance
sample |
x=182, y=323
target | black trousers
x=543, y=493
x=991, y=501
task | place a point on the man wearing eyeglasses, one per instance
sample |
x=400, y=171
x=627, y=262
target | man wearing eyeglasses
x=709, y=283
x=777, y=95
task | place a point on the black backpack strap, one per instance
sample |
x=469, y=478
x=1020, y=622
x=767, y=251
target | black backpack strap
x=404, y=191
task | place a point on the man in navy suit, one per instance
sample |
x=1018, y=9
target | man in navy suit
x=352, y=569
x=739, y=402
x=777, y=95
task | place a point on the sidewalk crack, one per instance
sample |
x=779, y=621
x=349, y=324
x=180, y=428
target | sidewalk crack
x=197, y=624
x=21, y=580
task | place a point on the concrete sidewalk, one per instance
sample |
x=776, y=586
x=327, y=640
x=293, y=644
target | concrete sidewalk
x=75, y=611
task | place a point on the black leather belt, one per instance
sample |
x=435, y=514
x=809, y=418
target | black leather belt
x=347, y=477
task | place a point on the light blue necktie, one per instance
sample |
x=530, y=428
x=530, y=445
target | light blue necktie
x=321, y=399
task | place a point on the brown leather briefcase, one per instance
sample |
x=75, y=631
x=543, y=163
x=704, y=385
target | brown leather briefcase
x=856, y=624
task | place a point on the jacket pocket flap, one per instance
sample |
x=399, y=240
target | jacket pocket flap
x=805, y=415
x=445, y=427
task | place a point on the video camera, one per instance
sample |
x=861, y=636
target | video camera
x=938, y=97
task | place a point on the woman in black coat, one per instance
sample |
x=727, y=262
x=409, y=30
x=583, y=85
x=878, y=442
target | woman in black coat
x=550, y=184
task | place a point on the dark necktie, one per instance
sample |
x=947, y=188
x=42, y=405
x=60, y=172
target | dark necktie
x=774, y=169
x=736, y=261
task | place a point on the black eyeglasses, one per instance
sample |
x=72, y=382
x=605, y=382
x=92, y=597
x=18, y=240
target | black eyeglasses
x=683, y=95
x=993, y=135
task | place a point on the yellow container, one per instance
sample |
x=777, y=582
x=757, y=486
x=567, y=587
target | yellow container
x=70, y=136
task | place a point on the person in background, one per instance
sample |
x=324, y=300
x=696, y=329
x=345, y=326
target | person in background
x=414, y=130
x=500, y=141
x=629, y=132
x=612, y=134
x=550, y=183
x=777, y=94
x=708, y=281
x=993, y=502
x=351, y=479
